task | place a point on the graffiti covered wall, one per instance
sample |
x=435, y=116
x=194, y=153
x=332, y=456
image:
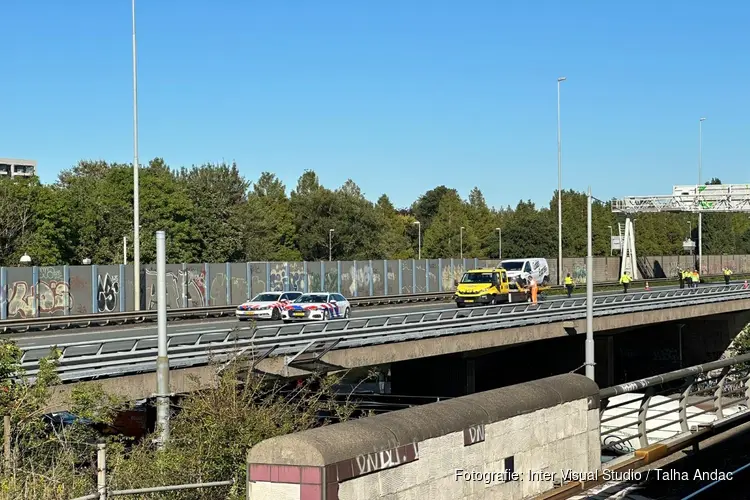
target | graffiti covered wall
x=27, y=292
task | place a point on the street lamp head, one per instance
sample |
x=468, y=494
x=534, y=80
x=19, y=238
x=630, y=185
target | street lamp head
x=330, y=230
x=562, y=79
x=417, y=222
x=497, y=229
x=25, y=259
x=702, y=118
x=86, y=261
x=463, y=227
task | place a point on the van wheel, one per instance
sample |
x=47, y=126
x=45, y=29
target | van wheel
x=459, y=305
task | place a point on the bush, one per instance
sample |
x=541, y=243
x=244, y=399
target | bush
x=210, y=433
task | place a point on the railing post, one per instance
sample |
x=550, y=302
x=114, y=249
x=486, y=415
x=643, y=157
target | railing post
x=120, y=287
x=413, y=275
x=642, y=415
x=101, y=469
x=719, y=393
x=400, y=284
x=354, y=277
x=4, y=293
x=207, y=283
x=66, y=279
x=306, y=281
x=427, y=276
x=371, y=279
x=322, y=277
x=440, y=275
x=286, y=283
x=338, y=276
x=94, y=288
x=186, y=301
x=249, y=279
x=385, y=276
x=228, y=274
x=35, y=290
x=683, y=405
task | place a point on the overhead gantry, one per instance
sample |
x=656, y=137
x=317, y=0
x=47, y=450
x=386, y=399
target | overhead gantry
x=714, y=198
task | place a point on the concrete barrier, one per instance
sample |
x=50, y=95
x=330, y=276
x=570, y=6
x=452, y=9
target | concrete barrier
x=484, y=445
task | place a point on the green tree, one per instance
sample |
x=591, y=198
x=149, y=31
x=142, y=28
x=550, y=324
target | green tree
x=396, y=241
x=443, y=237
x=218, y=194
x=269, y=223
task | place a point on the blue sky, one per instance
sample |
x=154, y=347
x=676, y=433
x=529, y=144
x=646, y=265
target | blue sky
x=399, y=96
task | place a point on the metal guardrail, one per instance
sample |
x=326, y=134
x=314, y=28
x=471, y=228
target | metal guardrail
x=674, y=404
x=120, y=356
x=104, y=319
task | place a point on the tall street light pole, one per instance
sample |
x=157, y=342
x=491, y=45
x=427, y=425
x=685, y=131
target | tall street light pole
x=136, y=191
x=700, y=181
x=330, y=244
x=589, y=295
x=419, y=239
x=559, y=189
x=462, y=244
x=499, y=243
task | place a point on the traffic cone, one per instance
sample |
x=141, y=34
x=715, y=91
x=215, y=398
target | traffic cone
x=745, y=285
x=647, y=287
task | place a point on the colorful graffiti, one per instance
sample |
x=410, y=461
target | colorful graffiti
x=195, y=288
x=53, y=297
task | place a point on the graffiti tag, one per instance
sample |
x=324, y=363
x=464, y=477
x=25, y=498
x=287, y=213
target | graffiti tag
x=54, y=296
x=108, y=290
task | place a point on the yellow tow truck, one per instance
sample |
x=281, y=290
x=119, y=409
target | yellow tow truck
x=483, y=287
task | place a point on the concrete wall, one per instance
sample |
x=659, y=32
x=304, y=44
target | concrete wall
x=475, y=447
x=61, y=290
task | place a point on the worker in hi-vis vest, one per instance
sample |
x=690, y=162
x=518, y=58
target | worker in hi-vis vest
x=534, y=289
x=687, y=275
x=696, y=278
x=727, y=274
x=569, y=285
x=625, y=281
x=681, y=277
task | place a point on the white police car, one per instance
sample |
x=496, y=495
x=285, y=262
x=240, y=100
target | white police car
x=267, y=305
x=319, y=306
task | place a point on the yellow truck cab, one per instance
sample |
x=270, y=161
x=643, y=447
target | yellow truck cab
x=482, y=287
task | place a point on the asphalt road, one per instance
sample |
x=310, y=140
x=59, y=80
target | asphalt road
x=130, y=331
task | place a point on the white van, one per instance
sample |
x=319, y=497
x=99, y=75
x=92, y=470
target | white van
x=522, y=268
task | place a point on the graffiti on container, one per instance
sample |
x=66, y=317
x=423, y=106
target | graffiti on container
x=107, y=292
x=53, y=297
x=50, y=274
x=279, y=279
x=474, y=435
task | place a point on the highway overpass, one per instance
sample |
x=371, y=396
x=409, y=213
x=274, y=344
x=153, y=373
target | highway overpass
x=443, y=352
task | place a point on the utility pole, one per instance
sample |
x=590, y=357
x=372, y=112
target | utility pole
x=589, y=297
x=162, y=362
x=700, y=181
x=559, y=189
x=136, y=190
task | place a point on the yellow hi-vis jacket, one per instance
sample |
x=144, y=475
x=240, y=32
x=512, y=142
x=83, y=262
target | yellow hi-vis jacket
x=568, y=280
x=727, y=272
x=626, y=278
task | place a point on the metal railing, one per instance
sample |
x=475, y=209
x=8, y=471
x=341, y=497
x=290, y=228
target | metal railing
x=120, y=356
x=638, y=414
x=104, y=319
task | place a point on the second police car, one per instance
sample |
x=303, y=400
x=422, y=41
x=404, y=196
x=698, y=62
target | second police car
x=320, y=306
x=267, y=305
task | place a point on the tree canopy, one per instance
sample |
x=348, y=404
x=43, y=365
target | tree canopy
x=212, y=214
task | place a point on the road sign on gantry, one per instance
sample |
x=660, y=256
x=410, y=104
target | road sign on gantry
x=691, y=198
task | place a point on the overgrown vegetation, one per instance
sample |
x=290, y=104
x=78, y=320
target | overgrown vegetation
x=212, y=214
x=210, y=433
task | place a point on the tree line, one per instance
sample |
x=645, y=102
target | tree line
x=211, y=213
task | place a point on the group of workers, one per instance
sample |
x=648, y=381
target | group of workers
x=687, y=277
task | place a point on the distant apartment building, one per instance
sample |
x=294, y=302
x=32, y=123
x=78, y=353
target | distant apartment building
x=17, y=168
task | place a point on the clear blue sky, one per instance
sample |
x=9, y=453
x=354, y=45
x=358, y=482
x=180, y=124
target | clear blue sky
x=400, y=96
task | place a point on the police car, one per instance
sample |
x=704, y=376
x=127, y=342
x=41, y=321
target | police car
x=320, y=306
x=267, y=305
